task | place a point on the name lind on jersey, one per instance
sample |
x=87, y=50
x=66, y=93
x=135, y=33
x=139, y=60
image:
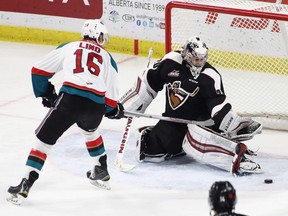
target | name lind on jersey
x=90, y=46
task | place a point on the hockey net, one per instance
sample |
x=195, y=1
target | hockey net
x=248, y=45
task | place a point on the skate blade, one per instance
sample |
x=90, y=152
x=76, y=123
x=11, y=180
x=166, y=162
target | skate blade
x=101, y=184
x=15, y=199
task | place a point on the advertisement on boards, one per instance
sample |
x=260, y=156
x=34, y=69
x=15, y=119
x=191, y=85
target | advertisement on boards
x=144, y=20
x=82, y=9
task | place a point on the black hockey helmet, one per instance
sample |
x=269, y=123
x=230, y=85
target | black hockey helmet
x=222, y=197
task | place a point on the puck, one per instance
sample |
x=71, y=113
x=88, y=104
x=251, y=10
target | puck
x=268, y=181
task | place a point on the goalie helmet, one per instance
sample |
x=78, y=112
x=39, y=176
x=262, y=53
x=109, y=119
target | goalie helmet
x=195, y=53
x=96, y=30
x=222, y=197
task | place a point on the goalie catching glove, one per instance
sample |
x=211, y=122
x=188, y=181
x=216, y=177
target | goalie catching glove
x=48, y=100
x=239, y=128
x=116, y=113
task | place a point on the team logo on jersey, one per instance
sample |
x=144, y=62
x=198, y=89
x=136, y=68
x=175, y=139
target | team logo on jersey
x=177, y=95
x=174, y=73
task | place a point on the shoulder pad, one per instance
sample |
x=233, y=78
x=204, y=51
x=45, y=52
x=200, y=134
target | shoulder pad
x=174, y=56
x=210, y=71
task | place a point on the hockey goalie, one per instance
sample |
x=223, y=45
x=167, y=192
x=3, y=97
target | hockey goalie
x=194, y=91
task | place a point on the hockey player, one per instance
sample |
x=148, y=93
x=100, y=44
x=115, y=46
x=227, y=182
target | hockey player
x=194, y=91
x=222, y=199
x=89, y=91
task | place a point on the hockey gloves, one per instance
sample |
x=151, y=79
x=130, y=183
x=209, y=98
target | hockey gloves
x=116, y=113
x=48, y=100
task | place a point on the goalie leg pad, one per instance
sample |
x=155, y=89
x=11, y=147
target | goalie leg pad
x=208, y=147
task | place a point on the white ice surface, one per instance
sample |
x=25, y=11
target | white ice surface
x=173, y=188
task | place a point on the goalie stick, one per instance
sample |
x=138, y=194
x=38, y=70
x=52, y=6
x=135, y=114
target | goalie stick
x=121, y=150
x=209, y=122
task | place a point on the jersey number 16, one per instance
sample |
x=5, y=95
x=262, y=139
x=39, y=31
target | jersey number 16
x=92, y=67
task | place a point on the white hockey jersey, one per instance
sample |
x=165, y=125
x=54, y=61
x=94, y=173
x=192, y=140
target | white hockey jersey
x=89, y=71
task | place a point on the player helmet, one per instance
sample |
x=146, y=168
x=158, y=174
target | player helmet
x=96, y=30
x=195, y=53
x=222, y=197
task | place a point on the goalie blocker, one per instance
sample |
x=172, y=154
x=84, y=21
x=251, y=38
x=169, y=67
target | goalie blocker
x=139, y=97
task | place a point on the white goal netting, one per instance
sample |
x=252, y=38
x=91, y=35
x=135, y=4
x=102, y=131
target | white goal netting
x=248, y=44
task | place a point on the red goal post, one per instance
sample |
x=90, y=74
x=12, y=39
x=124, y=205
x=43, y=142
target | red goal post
x=247, y=43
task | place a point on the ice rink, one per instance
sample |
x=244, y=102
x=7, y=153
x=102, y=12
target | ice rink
x=172, y=188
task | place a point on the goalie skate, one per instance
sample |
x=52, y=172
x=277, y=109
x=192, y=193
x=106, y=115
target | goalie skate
x=248, y=166
x=241, y=164
x=140, y=144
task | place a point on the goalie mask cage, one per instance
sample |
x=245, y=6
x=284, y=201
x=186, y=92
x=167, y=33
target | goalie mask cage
x=247, y=43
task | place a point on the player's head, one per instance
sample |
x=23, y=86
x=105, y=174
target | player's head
x=195, y=53
x=94, y=29
x=222, y=197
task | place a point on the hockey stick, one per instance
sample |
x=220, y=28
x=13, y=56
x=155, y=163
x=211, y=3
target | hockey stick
x=120, y=154
x=209, y=122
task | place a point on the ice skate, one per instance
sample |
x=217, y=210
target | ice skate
x=17, y=193
x=99, y=176
x=242, y=165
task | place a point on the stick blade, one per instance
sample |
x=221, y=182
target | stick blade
x=123, y=167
